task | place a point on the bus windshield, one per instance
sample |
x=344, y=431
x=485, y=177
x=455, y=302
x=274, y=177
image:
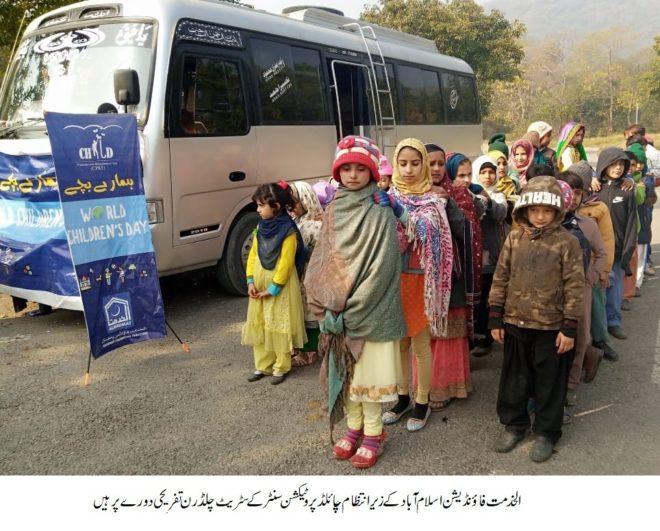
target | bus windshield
x=73, y=71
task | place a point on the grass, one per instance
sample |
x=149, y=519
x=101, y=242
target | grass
x=601, y=142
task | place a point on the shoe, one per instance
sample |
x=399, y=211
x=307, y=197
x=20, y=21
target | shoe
x=257, y=375
x=609, y=353
x=344, y=449
x=277, y=379
x=649, y=271
x=638, y=292
x=508, y=441
x=567, y=415
x=626, y=305
x=393, y=415
x=617, y=332
x=571, y=398
x=417, y=423
x=365, y=457
x=480, y=351
x=542, y=449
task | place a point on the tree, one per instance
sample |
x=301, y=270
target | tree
x=489, y=43
x=651, y=80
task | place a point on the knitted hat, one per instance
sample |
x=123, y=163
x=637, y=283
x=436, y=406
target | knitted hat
x=638, y=151
x=358, y=150
x=497, y=142
x=384, y=166
x=566, y=192
x=583, y=171
x=542, y=128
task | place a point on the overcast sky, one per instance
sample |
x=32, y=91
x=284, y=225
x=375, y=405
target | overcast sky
x=351, y=8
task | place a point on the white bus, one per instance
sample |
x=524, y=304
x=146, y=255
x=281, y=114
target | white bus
x=228, y=97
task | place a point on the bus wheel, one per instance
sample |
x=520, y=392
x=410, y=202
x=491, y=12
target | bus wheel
x=231, y=267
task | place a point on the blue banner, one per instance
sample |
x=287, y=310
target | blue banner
x=99, y=173
x=35, y=262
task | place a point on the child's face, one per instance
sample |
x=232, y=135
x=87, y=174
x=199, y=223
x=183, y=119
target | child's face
x=540, y=215
x=520, y=156
x=463, y=175
x=502, y=167
x=385, y=182
x=578, y=193
x=410, y=164
x=636, y=166
x=615, y=170
x=438, y=167
x=266, y=211
x=577, y=138
x=545, y=139
x=298, y=209
x=354, y=176
x=487, y=176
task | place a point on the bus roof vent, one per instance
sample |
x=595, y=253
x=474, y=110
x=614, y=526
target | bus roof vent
x=332, y=18
x=55, y=19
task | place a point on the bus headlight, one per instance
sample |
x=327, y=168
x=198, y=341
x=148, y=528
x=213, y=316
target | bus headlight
x=155, y=211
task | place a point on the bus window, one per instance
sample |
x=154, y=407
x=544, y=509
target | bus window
x=422, y=101
x=212, y=100
x=460, y=98
x=290, y=83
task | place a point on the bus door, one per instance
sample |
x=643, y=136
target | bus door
x=211, y=144
x=352, y=101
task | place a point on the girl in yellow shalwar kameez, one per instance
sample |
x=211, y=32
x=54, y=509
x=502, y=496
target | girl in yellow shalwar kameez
x=275, y=319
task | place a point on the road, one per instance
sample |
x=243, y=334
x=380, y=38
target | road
x=154, y=409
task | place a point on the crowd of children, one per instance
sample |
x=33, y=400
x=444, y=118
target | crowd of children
x=392, y=274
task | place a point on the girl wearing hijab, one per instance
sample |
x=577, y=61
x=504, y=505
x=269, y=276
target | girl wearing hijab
x=570, y=149
x=522, y=157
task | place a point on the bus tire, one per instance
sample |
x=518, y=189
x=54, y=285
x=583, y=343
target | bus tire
x=231, y=267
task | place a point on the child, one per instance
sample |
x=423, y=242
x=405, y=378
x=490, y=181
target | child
x=594, y=270
x=275, y=323
x=535, y=302
x=307, y=213
x=385, y=171
x=352, y=285
x=611, y=168
x=544, y=131
x=484, y=172
x=497, y=142
x=426, y=276
x=522, y=157
x=570, y=149
x=595, y=209
x=507, y=180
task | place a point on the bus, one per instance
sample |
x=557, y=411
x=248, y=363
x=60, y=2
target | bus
x=228, y=97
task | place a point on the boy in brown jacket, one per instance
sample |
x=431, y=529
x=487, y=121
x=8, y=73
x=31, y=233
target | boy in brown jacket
x=535, y=303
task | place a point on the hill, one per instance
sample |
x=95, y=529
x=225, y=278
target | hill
x=638, y=20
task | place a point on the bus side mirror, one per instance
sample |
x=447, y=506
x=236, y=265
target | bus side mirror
x=127, y=87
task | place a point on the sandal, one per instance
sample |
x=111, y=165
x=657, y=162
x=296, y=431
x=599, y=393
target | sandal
x=302, y=359
x=438, y=406
x=365, y=457
x=345, y=449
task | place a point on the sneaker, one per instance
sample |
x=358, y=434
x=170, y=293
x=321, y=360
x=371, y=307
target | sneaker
x=418, y=419
x=617, y=332
x=542, y=449
x=399, y=410
x=571, y=398
x=508, y=440
x=649, y=271
x=626, y=305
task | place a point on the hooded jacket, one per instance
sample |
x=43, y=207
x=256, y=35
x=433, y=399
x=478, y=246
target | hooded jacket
x=622, y=207
x=539, y=279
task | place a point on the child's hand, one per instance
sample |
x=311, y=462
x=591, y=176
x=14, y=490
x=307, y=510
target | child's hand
x=386, y=200
x=595, y=184
x=263, y=294
x=439, y=191
x=604, y=280
x=252, y=291
x=498, y=334
x=627, y=184
x=563, y=343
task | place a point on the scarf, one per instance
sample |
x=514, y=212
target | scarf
x=423, y=184
x=353, y=278
x=522, y=169
x=270, y=236
x=505, y=185
x=565, y=137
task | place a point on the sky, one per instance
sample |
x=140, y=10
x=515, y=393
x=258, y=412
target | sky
x=351, y=8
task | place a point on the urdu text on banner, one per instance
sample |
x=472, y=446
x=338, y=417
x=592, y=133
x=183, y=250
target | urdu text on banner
x=97, y=161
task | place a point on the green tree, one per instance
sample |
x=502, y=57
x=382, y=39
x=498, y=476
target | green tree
x=489, y=43
x=651, y=79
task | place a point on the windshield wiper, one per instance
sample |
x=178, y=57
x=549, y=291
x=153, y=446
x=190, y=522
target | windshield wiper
x=10, y=131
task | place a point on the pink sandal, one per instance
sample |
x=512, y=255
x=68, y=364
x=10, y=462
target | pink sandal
x=365, y=457
x=344, y=449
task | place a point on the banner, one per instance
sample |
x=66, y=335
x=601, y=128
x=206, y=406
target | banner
x=97, y=160
x=35, y=261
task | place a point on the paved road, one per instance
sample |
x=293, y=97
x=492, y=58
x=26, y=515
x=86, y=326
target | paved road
x=154, y=409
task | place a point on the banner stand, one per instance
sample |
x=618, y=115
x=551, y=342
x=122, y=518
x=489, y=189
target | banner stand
x=184, y=346
x=88, y=378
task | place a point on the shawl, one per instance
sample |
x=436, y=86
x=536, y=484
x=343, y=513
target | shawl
x=567, y=133
x=505, y=185
x=522, y=170
x=421, y=186
x=353, y=276
x=270, y=236
x=309, y=223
